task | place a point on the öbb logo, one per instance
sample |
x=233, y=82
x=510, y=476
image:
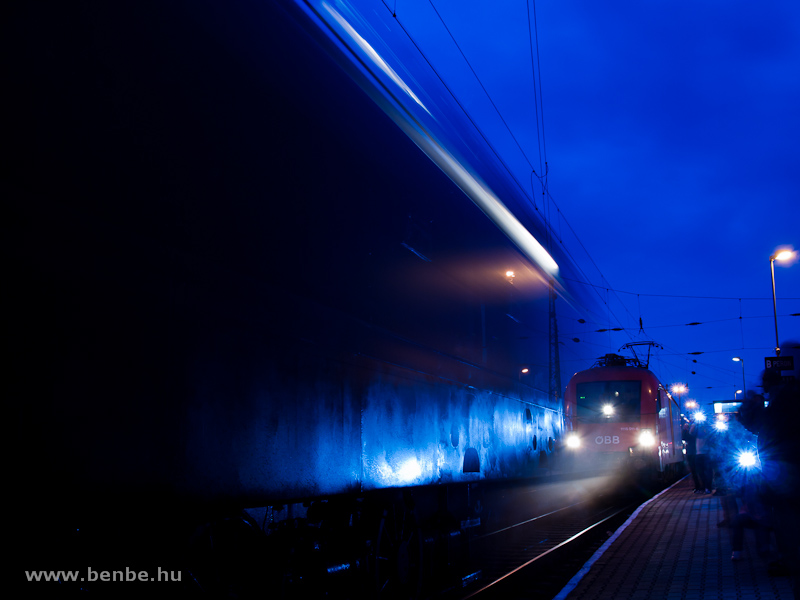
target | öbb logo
x=606, y=439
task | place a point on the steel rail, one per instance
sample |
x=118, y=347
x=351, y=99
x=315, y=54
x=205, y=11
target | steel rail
x=543, y=554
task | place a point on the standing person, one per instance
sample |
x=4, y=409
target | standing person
x=691, y=453
x=751, y=514
x=703, y=458
x=779, y=449
x=730, y=477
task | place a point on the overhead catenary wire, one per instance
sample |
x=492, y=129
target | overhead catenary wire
x=696, y=323
x=478, y=79
x=547, y=222
x=540, y=139
x=732, y=373
x=455, y=97
x=537, y=98
x=683, y=295
x=604, y=291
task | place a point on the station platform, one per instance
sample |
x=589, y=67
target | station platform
x=672, y=548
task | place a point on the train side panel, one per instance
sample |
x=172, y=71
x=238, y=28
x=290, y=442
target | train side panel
x=236, y=279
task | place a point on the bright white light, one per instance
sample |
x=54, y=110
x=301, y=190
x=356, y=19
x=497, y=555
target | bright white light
x=509, y=273
x=608, y=410
x=721, y=426
x=409, y=471
x=699, y=416
x=472, y=186
x=372, y=53
x=494, y=209
x=573, y=441
x=646, y=438
x=747, y=459
x=784, y=255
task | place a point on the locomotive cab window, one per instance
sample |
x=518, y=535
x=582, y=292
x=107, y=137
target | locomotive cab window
x=609, y=401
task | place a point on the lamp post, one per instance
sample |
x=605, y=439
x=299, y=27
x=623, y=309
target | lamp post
x=782, y=255
x=741, y=360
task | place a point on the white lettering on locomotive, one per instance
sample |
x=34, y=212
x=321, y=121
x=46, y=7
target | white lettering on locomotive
x=606, y=439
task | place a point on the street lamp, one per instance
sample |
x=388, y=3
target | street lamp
x=782, y=255
x=741, y=360
x=678, y=389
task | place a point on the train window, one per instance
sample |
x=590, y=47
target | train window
x=608, y=401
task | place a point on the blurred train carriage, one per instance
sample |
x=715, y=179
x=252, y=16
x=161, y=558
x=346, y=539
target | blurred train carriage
x=620, y=416
x=262, y=271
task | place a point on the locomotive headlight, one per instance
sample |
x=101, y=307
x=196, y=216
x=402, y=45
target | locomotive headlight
x=573, y=441
x=646, y=438
x=608, y=410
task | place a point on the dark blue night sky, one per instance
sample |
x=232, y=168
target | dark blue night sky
x=669, y=132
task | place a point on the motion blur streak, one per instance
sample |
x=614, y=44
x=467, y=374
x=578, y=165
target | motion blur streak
x=493, y=208
x=461, y=175
x=371, y=53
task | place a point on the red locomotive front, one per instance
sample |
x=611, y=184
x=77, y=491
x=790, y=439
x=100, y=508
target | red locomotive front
x=619, y=415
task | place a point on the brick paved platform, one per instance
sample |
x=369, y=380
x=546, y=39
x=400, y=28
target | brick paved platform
x=671, y=548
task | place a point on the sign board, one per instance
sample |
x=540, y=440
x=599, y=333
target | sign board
x=779, y=363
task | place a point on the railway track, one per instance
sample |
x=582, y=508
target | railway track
x=537, y=556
